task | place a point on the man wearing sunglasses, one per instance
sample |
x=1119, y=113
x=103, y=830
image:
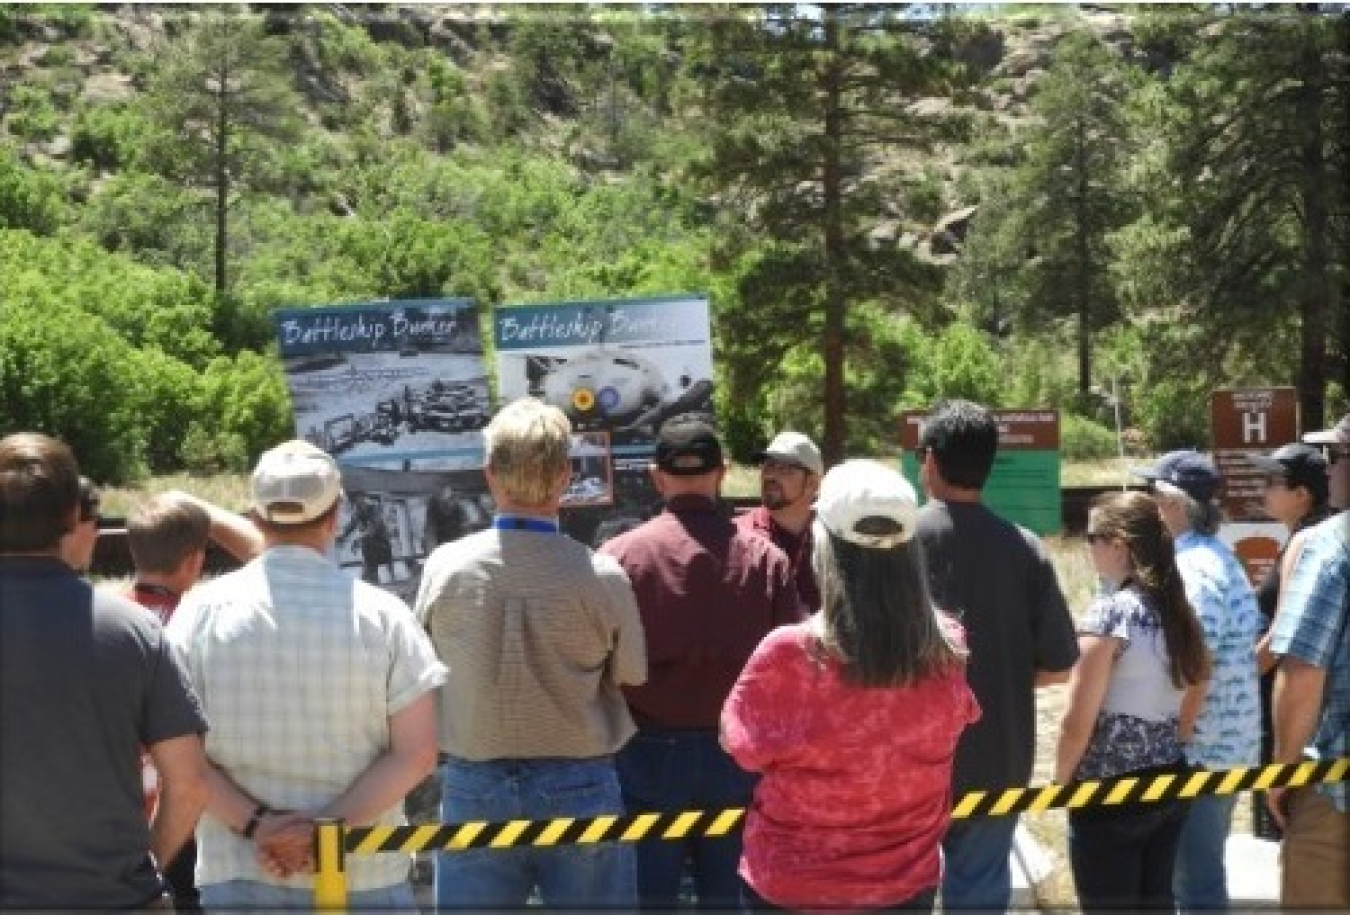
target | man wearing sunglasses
x=790, y=469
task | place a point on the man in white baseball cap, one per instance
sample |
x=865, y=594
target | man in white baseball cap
x=1336, y=443
x=790, y=469
x=321, y=695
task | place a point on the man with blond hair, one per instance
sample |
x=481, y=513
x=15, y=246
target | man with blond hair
x=321, y=692
x=539, y=633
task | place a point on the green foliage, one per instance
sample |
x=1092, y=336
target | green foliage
x=1082, y=439
x=958, y=362
x=32, y=116
x=65, y=372
x=242, y=400
x=29, y=199
x=107, y=137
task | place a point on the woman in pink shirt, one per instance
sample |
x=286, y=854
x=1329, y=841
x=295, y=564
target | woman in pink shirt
x=853, y=716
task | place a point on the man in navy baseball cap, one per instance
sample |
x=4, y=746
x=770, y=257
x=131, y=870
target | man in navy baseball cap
x=1189, y=471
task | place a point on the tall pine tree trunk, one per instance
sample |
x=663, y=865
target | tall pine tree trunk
x=222, y=176
x=1315, y=292
x=832, y=181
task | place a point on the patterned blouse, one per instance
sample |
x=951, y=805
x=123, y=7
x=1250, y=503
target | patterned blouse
x=1138, y=726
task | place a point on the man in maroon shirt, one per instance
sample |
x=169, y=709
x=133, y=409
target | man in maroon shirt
x=789, y=479
x=707, y=592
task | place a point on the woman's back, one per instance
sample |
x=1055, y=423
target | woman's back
x=856, y=790
x=1138, y=725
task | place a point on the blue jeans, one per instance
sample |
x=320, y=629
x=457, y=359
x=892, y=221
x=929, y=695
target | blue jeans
x=252, y=895
x=975, y=869
x=593, y=876
x=675, y=770
x=1122, y=856
x=1199, y=879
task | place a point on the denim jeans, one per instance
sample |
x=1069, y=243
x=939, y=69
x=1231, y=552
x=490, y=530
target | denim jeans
x=252, y=895
x=674, y=770
x=594, y=876
x=751, y=902
x=1199, y=879
x=1122, y=856
x=975, y=869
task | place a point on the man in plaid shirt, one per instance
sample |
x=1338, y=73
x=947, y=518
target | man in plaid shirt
x=1312, y=717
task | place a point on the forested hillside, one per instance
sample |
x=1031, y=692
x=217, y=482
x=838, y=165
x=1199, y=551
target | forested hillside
x=1024, y=205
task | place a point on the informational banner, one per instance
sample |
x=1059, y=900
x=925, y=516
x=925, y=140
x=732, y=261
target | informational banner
x=619, y=369
x=397, y=393
x=1246, y=422
x=1025, y=482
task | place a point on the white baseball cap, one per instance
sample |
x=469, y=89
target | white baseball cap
x=294, y=483
x=867, y=503
x=1338, y=434
x=794, y=448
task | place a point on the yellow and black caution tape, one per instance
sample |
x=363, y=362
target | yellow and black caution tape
x=715, y=823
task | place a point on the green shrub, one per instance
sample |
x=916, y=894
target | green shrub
x=1081, y=439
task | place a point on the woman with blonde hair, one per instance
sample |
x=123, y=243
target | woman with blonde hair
x=856, y=787
x=1133, y=697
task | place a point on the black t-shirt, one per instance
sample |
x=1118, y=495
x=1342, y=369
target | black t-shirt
x=997, y=580
x=86, y=679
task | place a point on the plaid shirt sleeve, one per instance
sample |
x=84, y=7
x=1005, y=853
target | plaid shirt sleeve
x=1311, y=619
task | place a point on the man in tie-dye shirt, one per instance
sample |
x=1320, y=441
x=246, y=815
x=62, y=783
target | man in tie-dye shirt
x=1228, y=731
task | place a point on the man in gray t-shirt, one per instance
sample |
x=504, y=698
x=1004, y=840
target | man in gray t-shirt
x=997, y=579
x=86, y=680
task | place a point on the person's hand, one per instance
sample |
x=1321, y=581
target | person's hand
x=285, y=844
x=1277, y=802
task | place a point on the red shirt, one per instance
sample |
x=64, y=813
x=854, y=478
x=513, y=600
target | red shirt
x=707, y=592
x=856, y=788
x=796, y=547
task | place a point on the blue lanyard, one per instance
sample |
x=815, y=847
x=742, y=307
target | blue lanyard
x=519, y=523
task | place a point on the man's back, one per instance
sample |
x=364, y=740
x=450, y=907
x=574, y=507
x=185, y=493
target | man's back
x=708, y=592
x=538, y=633
x=86, y=678
x=997, y=580
x=300, y=669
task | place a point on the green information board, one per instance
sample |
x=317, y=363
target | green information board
x=1024, y=486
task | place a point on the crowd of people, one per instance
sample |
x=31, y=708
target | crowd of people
x=840, y=661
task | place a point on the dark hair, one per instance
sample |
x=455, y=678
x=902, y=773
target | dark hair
x=1133, y=517
x=878, y=618
x=963, y=439
x=39, y=488
x=164, y=531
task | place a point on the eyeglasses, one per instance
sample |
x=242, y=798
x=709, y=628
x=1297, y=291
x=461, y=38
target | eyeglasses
x=1095, y=537
x=775, y=467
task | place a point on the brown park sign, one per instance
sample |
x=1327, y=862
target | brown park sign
x=1245, y=422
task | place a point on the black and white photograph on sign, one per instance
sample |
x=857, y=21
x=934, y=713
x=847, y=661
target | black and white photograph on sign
x=625, y=366
x=387, y=381
x=628, y=393
x=591, y=482
x=621, y=368
x=394, y=517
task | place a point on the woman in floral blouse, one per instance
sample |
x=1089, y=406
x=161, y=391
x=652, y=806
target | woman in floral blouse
x=853, y=717
x=1133, y=698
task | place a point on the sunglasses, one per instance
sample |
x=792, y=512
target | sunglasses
x=921, y=452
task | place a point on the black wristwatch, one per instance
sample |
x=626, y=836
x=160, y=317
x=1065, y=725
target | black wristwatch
x=251, y=826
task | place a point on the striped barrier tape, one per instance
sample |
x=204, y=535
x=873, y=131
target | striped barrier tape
x=700, y=823
x=333, y=842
